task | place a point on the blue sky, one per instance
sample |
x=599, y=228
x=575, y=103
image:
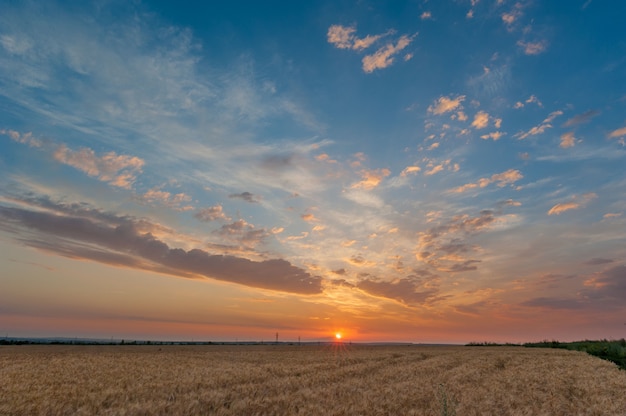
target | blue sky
x=417, y=171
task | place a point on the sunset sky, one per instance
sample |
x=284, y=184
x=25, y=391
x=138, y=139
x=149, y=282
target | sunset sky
x=422, y=171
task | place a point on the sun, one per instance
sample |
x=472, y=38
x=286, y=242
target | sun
x=338, y=336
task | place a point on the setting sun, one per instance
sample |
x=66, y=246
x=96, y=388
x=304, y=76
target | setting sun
x=338, y=336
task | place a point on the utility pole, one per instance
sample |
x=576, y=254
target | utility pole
x=277, y=337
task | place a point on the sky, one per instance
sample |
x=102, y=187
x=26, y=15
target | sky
x=422, y=171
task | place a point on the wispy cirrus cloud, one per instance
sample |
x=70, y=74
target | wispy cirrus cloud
x=541, y=128
x=23, y=138
x=581, y=118
x=503, y=179
x=344, y=37
x=117, y=170
x=576, y=203
x=384, y=56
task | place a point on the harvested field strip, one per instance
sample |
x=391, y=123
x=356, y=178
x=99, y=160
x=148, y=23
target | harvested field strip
x=285, y=380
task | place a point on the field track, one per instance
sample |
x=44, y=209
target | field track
x=306, y=380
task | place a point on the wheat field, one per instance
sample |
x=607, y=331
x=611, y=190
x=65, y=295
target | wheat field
x=306, y=380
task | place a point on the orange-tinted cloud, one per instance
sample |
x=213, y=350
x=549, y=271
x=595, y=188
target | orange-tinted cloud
x=500, y=179
x=117, y=170
x=568, y=206
x=371, y=178
x=384, y=56
x=444, y=104
x=567, y=140
x=481, y=120
x=617, y=133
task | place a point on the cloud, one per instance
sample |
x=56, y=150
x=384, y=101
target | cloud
x=501, y=179
x=481, y=120
x=554, y=303
x=426, y=15
x=309, y=217
x=493, y=135
x=243, y=233
x=568, y=206
x=605, y=289
x=384, y=56
x=175, y=201
x=560, y=208
x=581, y=118
x=340, y=36
x=117, y=170
x=344, y=38
x=444, y=104
x=119, y=241
x=405, y=290
x=533, y=48
x=371, y=178
x=617, y=133
x=246, y=196
x=608, y=286
x=545, y=124
x=598, y=261
x=410, y=170
x=213, y=213
x=444, y=246
x=567, y=140
x=23, y=138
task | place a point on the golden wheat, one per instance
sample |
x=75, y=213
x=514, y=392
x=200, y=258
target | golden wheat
x=306, y=380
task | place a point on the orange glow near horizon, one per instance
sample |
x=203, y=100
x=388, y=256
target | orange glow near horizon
x=338, y=336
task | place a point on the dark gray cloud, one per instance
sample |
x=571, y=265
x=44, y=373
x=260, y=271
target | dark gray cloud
x=609, y=286
x=406, y=290
x=445, y=245
x=581, y=118
x=598, y=261
x=119, y=241
x=243, y=232
x=246, y=196
x=340, y=282
x=277, y=162
x=604, y=290
x=555, y=303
